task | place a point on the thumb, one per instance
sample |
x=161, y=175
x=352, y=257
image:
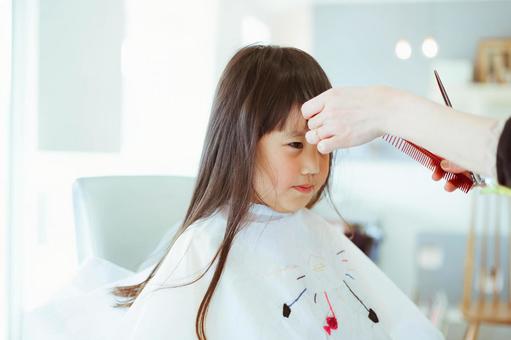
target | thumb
x=315, y=105
x=451, y=167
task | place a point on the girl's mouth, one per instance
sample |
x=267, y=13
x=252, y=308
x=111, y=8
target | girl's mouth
x=304, y=188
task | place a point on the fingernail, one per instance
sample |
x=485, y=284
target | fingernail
x=303, y=108
x=444, y=163
x=309, y=137
x=321, y=147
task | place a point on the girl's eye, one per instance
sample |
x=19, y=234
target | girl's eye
x=296, y=145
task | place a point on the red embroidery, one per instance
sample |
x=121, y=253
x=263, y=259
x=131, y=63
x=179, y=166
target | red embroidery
x=331, y=321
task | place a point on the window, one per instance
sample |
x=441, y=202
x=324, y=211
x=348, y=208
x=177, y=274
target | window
x=5, y=93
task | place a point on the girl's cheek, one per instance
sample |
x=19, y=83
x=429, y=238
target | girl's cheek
x=324, y=169
x=288, y=173
x=327, y=166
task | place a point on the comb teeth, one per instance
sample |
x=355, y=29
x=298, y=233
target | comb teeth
x=430, y=161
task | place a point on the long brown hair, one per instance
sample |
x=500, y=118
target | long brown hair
x=258, y=88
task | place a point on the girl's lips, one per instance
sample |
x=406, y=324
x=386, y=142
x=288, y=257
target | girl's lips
x=304, y=188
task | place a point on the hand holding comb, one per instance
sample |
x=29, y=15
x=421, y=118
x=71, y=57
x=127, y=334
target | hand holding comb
x=432, y=161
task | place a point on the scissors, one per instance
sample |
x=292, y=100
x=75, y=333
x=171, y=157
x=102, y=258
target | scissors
x=476, y=178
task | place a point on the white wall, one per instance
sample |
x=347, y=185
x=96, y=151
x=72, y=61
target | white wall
x=293, y=26
x=168, y=81
x=79, y=80
x=283, y=23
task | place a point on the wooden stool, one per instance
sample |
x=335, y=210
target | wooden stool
x=486, y=269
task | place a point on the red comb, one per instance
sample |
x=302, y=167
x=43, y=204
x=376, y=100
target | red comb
x=428, y=159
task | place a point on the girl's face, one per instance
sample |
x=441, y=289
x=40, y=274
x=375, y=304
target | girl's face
x=289, y=171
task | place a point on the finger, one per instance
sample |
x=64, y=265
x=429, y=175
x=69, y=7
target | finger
x=312, y=137
x=315, y=105
x=451, y=167
x=315, y=135
x=449, y=187
x=316, y=121
x=438, y=174
x=324, y=132
x=329, y=144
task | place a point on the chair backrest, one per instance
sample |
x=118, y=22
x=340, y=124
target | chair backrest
x=487, y=280
x=122, y=218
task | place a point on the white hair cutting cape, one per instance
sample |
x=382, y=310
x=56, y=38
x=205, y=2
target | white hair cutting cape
x=287, y=276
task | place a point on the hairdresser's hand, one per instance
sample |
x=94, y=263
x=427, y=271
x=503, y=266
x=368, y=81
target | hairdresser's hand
x=349, y=116
x=447, y=166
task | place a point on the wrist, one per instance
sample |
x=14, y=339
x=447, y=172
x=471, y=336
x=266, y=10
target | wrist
x=403, y=110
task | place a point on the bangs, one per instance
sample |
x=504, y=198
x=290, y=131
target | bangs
x=287, y=108
x=283, y=79
x=294, y=121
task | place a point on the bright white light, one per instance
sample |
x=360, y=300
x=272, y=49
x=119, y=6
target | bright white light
x=403, y=49
x=430, y=47
x=254, y=30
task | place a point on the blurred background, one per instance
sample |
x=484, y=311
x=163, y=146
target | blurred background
x=124, y=87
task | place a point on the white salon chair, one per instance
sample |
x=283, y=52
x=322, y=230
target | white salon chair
x=123, y=219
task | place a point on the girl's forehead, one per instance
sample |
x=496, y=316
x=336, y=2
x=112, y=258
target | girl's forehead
x=295, y=122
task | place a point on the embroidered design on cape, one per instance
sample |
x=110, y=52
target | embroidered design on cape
x=331, y=322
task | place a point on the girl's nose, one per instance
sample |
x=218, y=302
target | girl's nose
x=311, y=162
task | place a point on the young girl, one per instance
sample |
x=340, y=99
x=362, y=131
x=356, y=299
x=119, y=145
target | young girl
x=251, y=261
